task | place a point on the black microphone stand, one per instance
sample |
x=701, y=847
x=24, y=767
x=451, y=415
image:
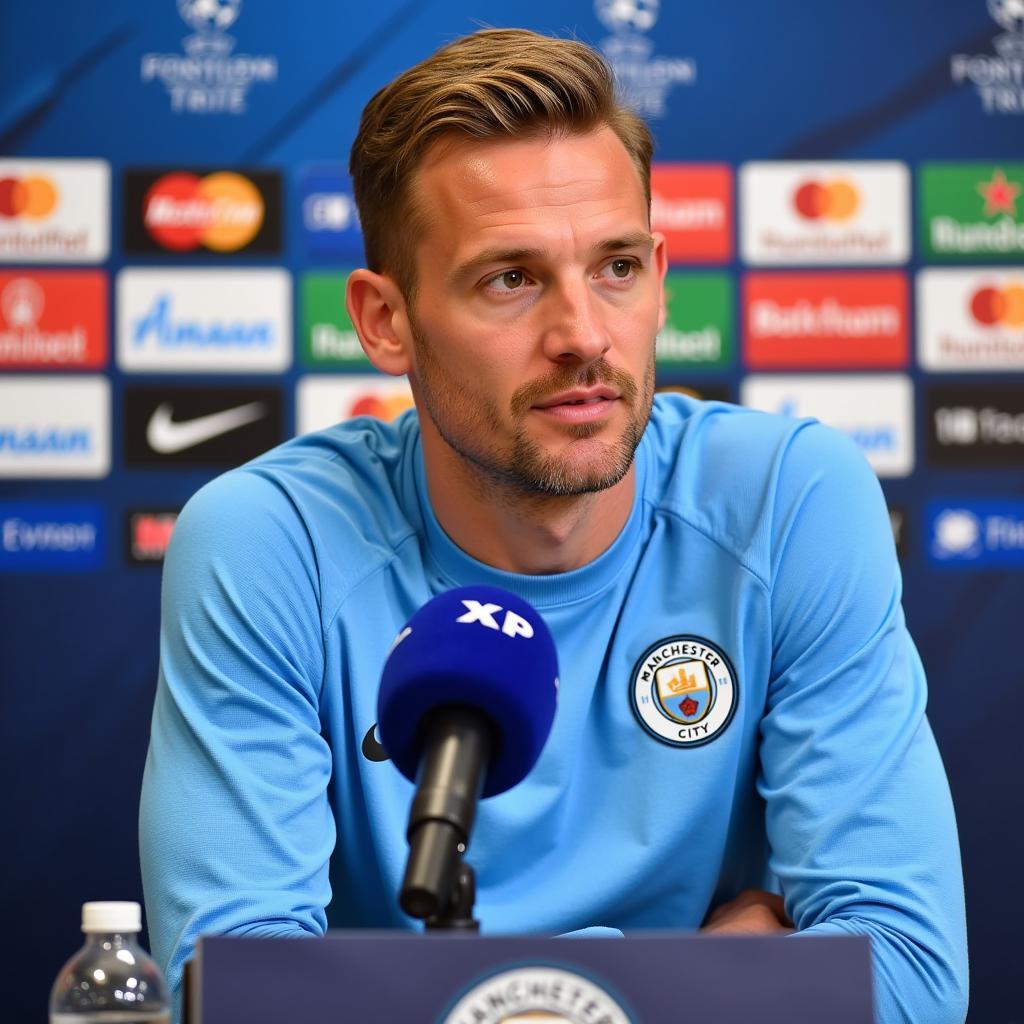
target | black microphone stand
x=439, y=887
x=457, y=915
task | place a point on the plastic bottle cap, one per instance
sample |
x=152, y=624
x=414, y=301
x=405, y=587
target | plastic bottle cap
x=111, y=917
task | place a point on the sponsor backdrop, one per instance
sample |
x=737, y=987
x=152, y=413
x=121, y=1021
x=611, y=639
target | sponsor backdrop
x=843, y=198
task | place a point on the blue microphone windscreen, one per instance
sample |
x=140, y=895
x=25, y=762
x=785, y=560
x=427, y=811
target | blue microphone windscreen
x=478, y=647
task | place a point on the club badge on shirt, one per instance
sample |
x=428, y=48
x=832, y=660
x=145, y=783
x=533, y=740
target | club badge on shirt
x=684, y=690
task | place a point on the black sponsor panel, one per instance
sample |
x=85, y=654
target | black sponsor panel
x=180, y=426
x=147, y=532
x=211, y=211
x=975, y=425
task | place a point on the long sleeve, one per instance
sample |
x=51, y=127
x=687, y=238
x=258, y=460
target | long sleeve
x=235, y=828
x=859, y=814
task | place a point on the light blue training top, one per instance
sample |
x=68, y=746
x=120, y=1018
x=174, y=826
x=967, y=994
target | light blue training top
x=740, y=705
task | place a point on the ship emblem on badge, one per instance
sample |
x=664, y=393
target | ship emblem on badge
x=684, y=690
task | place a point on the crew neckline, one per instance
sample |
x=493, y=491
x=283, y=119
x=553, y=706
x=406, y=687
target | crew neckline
x=461, y=569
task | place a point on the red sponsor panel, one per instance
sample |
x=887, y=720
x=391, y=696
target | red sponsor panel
x=825, y=321
x=149, y=533
x=53, y=319
x=692, y=206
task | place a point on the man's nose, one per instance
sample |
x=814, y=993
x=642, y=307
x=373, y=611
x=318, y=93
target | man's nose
x=574, y=328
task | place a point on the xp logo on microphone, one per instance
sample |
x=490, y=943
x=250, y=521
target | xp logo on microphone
x=512, y=624
x=684, y=691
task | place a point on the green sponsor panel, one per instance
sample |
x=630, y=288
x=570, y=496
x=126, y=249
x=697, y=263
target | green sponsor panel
x=971, y=211
x=327, y=338
x=698, y=332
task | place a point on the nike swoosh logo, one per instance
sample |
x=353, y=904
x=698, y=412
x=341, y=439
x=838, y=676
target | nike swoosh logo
x=167, y=436
x=372, y=749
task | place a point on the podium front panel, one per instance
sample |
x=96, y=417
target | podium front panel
x=651, y=978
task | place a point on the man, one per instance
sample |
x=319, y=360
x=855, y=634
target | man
x=740, y=707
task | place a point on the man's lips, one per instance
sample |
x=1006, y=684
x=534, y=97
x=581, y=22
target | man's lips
x=581, y=405
x=579, y=396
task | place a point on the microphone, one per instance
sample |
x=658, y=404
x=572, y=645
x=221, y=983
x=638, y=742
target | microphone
x=466, y=703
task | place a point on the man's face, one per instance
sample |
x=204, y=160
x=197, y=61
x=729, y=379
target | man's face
x=538, y=298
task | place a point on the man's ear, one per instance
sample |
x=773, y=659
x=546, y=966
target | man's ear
x=376, y=308
x=659, y=257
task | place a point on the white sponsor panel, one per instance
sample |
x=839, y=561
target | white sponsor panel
x=824, y=212
x=198, y=321
x=54, y=427
x=54, y=211
x=875, y=410
x=323, y=400
x=970, y=319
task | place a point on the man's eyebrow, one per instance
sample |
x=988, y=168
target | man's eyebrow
x=497, y=254
x=634, y=240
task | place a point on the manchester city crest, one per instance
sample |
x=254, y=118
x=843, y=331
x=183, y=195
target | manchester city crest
x=684, y=690
x=536, y=995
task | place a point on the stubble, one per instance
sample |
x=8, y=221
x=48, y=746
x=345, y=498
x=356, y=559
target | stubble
x=472, y=426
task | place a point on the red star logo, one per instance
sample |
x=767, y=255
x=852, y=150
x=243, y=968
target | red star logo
x=999, y=194
x=689, y=707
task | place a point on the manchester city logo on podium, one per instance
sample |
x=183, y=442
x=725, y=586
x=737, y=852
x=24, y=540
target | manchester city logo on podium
x=536, y=995
x=684, y=690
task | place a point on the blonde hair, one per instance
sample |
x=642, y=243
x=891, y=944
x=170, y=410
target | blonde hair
x=496, y=83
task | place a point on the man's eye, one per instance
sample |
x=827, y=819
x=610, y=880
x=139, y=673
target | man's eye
x=510, y=280
x=622, y=268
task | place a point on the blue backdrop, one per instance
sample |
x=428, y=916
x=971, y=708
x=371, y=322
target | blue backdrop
x=160, y=86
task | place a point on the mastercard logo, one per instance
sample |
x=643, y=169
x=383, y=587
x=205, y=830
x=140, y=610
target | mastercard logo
x=834, y=200
x=999, y=306
x=221, y=211
x=33, y=198
x=381, y=406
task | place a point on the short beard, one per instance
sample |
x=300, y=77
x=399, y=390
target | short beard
x=523, y=465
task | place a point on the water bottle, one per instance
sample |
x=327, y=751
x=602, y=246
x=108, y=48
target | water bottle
x=111, y=979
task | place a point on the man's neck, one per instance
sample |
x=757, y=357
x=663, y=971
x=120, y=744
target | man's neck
x=503, y=526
